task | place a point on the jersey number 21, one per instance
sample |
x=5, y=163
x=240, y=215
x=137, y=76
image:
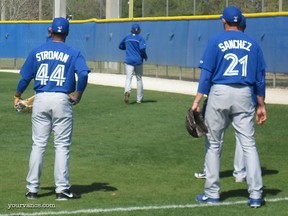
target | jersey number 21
x=231, y=71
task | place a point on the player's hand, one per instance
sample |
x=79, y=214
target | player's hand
x=17, y=100
x=195, y=107
x=75, y=99
x=197, y=100
x=261, y=115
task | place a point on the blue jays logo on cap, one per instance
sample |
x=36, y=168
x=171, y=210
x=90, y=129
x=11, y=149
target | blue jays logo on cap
x=232, y=14
x=60, y=25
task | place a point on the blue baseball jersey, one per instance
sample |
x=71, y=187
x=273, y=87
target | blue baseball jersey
x=135, y=47
x=53, y=66
x=48, y=39
x=232, y=57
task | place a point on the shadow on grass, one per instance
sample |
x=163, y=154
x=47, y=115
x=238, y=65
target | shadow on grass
x=265, y=171
x=244, y=193
x=81, y=189
x=144, y=101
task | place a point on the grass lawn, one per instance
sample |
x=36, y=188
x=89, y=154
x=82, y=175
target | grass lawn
x=136, y=155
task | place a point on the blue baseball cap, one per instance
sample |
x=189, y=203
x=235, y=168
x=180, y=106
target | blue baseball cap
x=232, y=14
x=243, y=22
x=135, y=27
x=60, y=25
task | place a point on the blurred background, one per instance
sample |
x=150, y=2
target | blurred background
x=86, y=9
x=102, y=10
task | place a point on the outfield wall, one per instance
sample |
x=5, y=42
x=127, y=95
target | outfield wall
x=172, y=41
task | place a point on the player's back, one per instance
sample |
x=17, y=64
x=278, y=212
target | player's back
x=55, y=65
x=237, y=58
x=134, y=43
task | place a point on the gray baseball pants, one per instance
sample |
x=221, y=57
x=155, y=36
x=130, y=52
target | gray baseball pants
x=52, y=112
x=138, y=70
x=231, y=104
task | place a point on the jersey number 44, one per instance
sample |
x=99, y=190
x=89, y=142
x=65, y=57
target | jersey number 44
x=56, y=76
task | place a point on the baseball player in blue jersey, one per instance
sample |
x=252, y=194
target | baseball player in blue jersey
x=231, y=66
x=239, y=171
x=135, y=47
x=53, y=67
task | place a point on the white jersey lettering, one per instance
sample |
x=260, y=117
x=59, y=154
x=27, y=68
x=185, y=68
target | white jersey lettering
x=52, y=55
x=235, y=44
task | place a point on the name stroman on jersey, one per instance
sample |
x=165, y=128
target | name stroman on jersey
x=235, y=44
x=52, y=55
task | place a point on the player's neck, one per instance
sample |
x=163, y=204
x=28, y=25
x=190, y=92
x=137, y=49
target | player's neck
x=228, y=28
x=58, y=38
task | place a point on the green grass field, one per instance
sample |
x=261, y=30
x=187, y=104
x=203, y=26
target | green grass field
x=125, y=157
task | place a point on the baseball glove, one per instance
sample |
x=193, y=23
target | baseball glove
x=25, y=106
x=195, y=124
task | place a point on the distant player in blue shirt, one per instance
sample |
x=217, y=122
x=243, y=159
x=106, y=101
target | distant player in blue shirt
x=135, y=47
x=231, y=66
x=54, y=67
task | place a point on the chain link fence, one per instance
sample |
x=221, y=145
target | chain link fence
x=144, y=8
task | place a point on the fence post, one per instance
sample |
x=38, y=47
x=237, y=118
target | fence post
x=94, y=66
x=156, y=70
x=100, y=67
x=166, y=70
x=15, y=63
x=120, y=67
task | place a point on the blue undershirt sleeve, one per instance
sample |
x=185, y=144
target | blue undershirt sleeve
x=143, y=54
x=205, y=82
x=22, y=85
x=122, y=45
x=261, y=76
x=82, y=81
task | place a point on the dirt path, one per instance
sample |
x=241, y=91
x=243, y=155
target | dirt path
x=273, y=96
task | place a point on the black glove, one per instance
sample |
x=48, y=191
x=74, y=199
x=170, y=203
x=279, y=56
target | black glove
x=195, y=124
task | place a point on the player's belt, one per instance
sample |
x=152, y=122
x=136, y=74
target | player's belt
x=39, y=92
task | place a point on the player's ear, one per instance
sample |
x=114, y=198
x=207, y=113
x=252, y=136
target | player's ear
x=224, y=21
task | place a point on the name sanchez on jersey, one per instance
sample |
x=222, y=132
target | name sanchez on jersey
x=234, y=44
x=52, y=55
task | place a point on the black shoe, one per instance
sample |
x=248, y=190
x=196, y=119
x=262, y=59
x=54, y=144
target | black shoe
x=66, y=195
x=126, y=97
x=30, y=195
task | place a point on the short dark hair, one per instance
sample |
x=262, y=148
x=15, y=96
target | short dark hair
x=59, y=35
x=233, y=23
x=137, y=31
